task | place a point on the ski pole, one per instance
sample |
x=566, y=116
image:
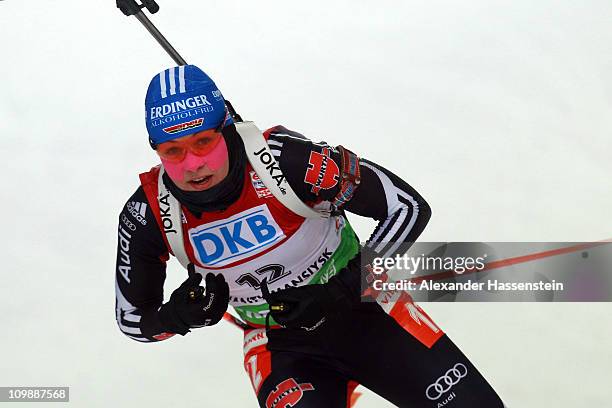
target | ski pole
x=132, y=8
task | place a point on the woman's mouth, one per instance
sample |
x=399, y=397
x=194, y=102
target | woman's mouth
x=202, y=181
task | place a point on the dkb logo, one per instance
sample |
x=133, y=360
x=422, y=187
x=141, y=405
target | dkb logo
x=240, y=236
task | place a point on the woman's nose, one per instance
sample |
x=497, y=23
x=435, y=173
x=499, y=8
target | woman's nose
x=193, y=162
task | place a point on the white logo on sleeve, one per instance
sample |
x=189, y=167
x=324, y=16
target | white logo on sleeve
x=138, y=211
x=238, y=237
x=445, y=382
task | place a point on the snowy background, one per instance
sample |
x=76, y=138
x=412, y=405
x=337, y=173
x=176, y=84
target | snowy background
x=498, y=112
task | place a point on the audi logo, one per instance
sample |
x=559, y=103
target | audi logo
x=446, y=381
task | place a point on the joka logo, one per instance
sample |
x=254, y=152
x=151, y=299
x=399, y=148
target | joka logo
x=184, y=126
x=245, y=234
x=287, y=394
x=323, y=172
x=266, y=158
x=166, y=215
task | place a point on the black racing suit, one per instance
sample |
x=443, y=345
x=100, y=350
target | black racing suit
x=365, y=345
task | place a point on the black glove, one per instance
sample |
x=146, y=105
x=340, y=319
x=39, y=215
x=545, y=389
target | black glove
x=308, y=307
x=189, y=307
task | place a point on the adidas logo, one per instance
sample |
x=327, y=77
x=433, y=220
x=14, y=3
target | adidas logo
x=138, y=211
